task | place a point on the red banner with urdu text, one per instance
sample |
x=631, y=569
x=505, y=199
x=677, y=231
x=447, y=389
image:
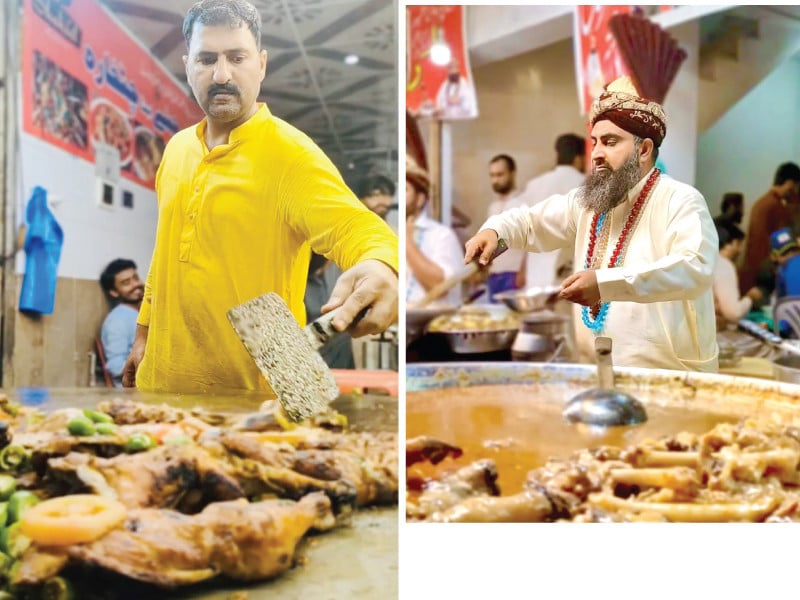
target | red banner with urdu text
x=598, y=61
x=86, y=81
x=438, y=77
x=597, y=58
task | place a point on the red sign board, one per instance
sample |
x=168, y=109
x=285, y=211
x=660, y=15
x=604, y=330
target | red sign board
x=598, y=61
x=87, y=82
x=438, y=78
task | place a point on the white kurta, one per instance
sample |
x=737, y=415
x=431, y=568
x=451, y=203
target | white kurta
x=662, y=308
x=439, y=244
x=542, y=267
x=511, y=259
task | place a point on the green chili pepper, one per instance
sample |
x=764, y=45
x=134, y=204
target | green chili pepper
x=97, y=417
x=3, y=513
x=12, y=542
x=20, y=502
x=5, y=564
x=14, y=458
x=57, y=588
x=105, y=428
x=139, y=442
x=80, y=426
x=8, y=486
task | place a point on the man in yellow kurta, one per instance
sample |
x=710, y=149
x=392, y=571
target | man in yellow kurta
x=243, y=198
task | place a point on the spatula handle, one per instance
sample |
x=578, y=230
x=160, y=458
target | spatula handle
x=322, y=328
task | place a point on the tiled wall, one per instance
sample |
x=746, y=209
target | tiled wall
x=53, y=350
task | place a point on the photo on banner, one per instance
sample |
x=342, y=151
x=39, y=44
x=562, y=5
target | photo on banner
x=439, y=79
x=90, y=86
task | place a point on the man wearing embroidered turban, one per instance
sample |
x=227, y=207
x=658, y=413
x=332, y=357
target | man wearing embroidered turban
x=644, y=244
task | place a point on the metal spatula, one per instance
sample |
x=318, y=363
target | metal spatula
x=286, y=354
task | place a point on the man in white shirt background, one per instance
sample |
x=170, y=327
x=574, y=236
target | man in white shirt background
x=506, y=271
x=433, y=252
x=550, y=268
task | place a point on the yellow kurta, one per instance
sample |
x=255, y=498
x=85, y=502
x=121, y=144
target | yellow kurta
x=233, y=223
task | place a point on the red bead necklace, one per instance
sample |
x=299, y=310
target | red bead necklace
x=630, y=225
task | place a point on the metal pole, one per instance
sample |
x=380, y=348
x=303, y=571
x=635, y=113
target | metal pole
x=435, y=169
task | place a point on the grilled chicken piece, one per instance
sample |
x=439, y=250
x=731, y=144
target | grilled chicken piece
x=128, y=412
x=364, y=463
x=182, y=477
x=166, y=548
x=375, y=484
x=257, y=479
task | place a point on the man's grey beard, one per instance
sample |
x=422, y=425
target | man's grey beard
x=604, y=190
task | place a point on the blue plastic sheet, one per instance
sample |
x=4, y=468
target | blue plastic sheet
x=43, y=241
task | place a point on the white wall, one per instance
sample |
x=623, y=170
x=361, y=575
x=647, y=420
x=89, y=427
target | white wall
x=742, y=150
x=677, y=152
x=93, y=235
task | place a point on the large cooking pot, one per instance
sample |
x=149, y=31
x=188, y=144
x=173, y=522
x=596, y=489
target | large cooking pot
x=511, y=412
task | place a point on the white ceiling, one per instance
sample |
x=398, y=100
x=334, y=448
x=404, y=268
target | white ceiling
x=350, y=111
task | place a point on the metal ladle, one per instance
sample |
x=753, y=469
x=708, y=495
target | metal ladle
x=604, y=406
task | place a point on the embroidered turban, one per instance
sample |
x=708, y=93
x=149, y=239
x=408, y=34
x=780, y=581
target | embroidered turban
x=417, y=176
x=621, y=104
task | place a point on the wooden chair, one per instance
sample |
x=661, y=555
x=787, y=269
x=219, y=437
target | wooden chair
x=101, y=357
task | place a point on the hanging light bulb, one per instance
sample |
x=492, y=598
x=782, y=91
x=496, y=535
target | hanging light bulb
x=440, y=52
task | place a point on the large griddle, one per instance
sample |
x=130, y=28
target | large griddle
x=357, y=562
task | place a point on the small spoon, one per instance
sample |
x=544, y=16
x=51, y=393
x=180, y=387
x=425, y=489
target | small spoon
x=604, y=406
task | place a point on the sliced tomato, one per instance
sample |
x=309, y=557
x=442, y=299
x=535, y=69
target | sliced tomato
x=74, y=519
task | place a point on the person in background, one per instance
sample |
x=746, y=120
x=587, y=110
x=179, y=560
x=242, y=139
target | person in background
x=786, y=256
x=729, y=306
x=549, y=268
x=776, y=209
x=506, y=272
x=322, y=276
x=645, y=243
x=377, y=192
x=732, y=209
x=243, y=200
x=433, y=252
x=124, y=290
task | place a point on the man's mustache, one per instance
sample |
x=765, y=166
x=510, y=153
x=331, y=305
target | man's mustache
x=223, y=88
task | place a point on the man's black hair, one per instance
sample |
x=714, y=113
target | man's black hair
x=512, y=166
x=375, y=182
x=568, y=147
x=110, y=273
x=787, y=171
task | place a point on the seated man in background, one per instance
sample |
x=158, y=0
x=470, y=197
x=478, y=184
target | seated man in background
x=125, y=290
